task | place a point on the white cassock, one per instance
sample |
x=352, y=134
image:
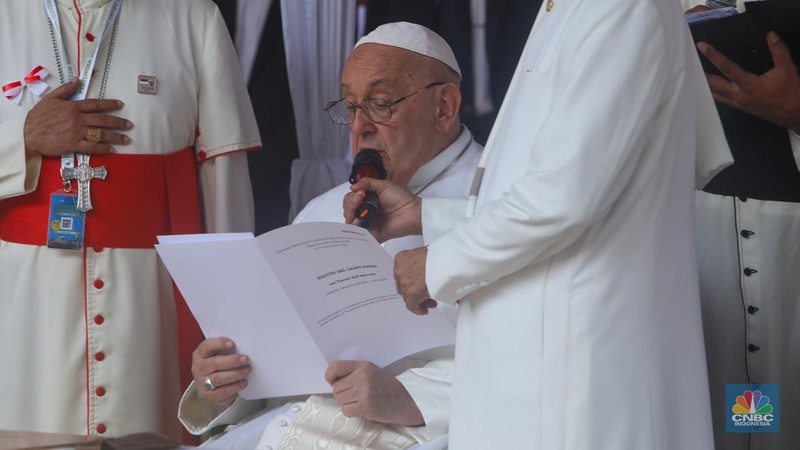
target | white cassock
x=751, y=319
x=89, y=337
x=579, y=322
x=299, y=425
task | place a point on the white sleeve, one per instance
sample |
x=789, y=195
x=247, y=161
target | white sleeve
x=227, y=197
x=18, y=174
x=554, y=202
x=430, y=388
x=199, y=417
x=227, y=128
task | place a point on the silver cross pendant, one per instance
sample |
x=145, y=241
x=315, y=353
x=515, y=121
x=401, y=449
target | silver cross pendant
x=83, y=174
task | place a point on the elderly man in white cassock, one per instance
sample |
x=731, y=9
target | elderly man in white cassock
x=579, y=322
x=400, y=97
x=150, y=134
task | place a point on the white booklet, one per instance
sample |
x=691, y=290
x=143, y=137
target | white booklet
x=298, y=298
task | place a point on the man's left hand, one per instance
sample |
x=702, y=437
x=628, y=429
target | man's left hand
x=365, y=390
x=773, y=96
x=409, y=276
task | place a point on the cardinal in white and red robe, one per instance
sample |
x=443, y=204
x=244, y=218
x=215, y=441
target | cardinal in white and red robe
x=90, y=337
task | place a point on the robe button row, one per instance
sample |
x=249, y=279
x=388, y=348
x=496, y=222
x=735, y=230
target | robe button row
x=753, y=348
x=747, y=233
x=752, y=309
x=101, y=428
x=748, y=271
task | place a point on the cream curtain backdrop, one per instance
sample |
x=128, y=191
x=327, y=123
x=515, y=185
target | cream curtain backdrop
x=318, y=36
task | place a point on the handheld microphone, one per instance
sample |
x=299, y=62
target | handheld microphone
x=367, y=163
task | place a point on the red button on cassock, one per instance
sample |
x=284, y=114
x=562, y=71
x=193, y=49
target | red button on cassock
x=90, y=37
x=100, y=391
x=99, y=356
x=98, y=283
x=101, y=428
x=98, y=319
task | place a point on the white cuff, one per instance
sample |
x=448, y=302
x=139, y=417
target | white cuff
x=430, y=387
x=198, y=416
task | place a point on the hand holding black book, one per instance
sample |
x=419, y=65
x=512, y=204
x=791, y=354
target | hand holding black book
x=742, y=37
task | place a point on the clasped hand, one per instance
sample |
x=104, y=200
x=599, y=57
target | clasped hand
x=57, y=125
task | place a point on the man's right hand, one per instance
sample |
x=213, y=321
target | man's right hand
x=213, y=359
x=400, y=212
x=57, y=125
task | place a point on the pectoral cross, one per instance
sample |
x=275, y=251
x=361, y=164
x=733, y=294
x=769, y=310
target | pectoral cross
x=83, y=174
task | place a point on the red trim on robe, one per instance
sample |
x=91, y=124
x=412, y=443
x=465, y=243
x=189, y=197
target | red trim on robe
x=86, y=346
x=203, y=156
x=143, y=196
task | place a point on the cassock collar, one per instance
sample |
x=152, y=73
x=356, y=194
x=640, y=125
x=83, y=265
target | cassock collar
x=435, y=166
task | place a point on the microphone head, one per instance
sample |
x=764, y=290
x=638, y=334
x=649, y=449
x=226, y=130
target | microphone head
x=367, y=163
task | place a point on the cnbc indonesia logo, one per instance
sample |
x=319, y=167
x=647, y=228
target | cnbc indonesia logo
x=753, y=411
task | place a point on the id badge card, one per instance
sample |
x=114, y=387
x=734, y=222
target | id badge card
x=66, y=224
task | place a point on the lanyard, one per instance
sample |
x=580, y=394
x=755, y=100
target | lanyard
x=85, y=74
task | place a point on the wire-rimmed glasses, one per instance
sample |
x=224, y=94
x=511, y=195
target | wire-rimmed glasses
x=377, y=110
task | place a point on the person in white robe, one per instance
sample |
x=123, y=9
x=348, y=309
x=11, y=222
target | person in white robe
x=89, y=336
x=747, y=235
x=434, y=156
x=579, y=322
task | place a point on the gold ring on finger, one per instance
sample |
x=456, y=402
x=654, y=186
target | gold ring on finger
x=94, y=135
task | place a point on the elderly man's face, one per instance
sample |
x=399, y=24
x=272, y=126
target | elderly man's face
x=389, y=73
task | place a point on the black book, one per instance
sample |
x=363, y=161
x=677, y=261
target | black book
x=742, y=37
x=764, y=166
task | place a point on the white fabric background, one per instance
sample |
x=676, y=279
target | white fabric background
x=318, y=37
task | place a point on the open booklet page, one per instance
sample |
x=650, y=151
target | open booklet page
x=296, y=299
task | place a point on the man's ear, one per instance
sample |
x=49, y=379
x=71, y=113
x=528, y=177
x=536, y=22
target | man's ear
x=447, y=107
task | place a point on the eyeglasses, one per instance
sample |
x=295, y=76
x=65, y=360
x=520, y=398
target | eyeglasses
x=377, y=110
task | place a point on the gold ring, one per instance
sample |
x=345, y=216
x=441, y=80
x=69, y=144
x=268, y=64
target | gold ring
x=94, y=135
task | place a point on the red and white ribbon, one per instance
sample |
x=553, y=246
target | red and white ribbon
x=33, y=80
